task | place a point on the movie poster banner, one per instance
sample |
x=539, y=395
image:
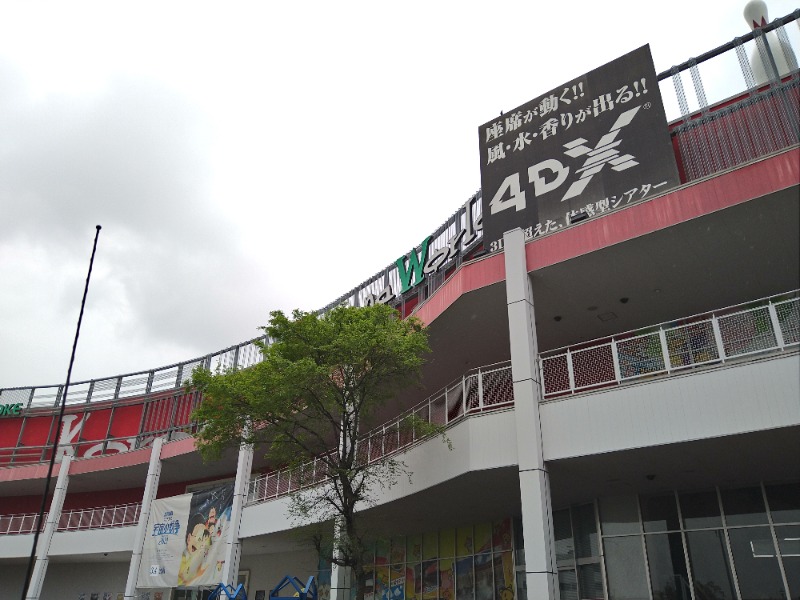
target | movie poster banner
x=185, y=541
x=591, y=146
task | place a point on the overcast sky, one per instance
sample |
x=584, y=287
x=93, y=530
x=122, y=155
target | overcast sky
x=243, y=157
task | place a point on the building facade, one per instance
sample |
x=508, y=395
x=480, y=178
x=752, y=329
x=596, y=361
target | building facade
x=621, y=390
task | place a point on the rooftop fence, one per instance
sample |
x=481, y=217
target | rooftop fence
x=743, y=103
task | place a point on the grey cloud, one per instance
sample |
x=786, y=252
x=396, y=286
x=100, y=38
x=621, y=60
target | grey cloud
x=129, y=159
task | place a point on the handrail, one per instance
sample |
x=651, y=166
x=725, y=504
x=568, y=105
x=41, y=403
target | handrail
x=477, y=391
x=140, y=383
x=80, y=519
x=747, y=329
x=779, y=22
x=767, y=325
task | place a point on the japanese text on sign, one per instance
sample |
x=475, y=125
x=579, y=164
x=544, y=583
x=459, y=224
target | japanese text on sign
x=585, y=144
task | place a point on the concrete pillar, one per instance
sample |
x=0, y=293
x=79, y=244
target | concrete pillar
x=537, y=522
x=53, y=516
x=150, y=489
x=233, y=549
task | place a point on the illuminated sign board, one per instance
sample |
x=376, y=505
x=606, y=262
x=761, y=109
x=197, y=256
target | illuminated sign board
x=593, y=145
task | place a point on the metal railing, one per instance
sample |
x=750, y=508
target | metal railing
x=479, y=390
x=101, y=517
x=732, y=128
x=22, y=523
x=142, y=383
x=472, y=209
x=747, y=330
x=735, y=332
x=716, y=337
x=740, y=120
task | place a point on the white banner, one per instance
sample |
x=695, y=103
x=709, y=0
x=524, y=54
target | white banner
x=185, y=542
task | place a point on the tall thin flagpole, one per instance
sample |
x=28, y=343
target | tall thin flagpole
x=54, y=450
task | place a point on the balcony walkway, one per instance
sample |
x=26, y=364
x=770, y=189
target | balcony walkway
x=710, y=340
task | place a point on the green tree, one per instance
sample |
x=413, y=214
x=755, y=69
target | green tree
x=318, y=387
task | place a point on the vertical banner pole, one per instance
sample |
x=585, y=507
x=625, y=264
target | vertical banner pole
x=32, y=558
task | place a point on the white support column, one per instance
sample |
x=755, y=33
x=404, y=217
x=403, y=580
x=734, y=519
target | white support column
x=150, y=489
x=233, y=551
x=537, y=522
x=53, y=516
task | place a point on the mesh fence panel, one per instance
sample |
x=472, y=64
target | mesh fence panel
x=126, y=515
x=133, y=385
x=406, y=432
x=96, y=519
x=41, y=396
x=471, y=386
x=223, y=360
x=104, y=389
x=422, y=414
x=188, y=367
x=362, y=451
x=19, y=396
x=746, y=332
x=78, y=392
x=32, y=522
x=28, y=523
x=788, y=313
x=320, y=471
x=20, y=523
x=282, y=484
x=555, y=373
x=390, y=440
x=438, y=414
x=640, y=356
x=691, y=344
x=165, y=379
x=249, y=354
x=256, y=489
x=271, y=485
x=498, y=387
x=455, y=405
x=593, y=366
x=375, y=446
x=303, y=476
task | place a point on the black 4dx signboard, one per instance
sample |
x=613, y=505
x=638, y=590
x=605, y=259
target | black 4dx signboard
x=593, y=145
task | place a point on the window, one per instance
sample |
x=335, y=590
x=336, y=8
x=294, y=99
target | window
x=702, y=544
